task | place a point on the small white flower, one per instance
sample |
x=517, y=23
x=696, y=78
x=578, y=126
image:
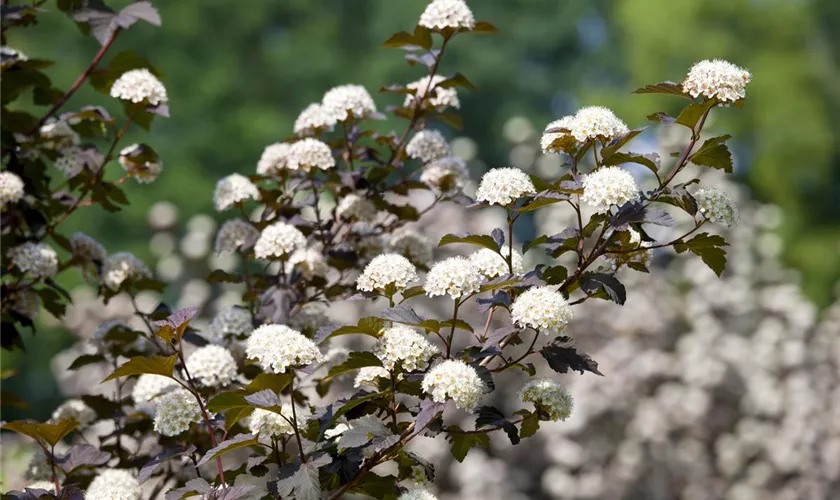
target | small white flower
x=87, y=249
x=542, y=309
x=139, y=85
x=369, y=375
x=339, y=428
x=235, y=235
x=595, y=122
x=609, y=186
x=431, y=94
x=277, y=240
x=493, y=265
x=314, y=119
x=72, y=161
x=213, y=365
x=503, y=186
x=309, y=153
x=387, y=271
x=403, y=344
x=417, y=495
x=455, y=276
x=35, y=260
x=717, y=78
x=42, y=485
x=355, y=207
x=10, y=56
x=456, y=380
x=232, y=321
x=410, y=244
x=548, y=138
x=277, y=348
x=309, y=261
x=149, y=386
x=274, y=158
x=428, y=145
x=74, y=409
x=348, y=101
x=717, y=206
x=234, y=189
x=141, y=162
x=122, y=266
x=11, y=189
x=446, y=174
x=440, y=14
x=548, y=395
x=175, y=412
x=114, y=484
x=272, y=425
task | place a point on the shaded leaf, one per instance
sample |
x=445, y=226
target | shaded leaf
x=154, y=464
x=463, y=442
x=562, y=355
x=355, y=361
x=692, y=113
x=367, y=431
x=709, y=248
x=481, y=240
x=714, y=153
x=667, y=87
x=236, y=443
x=591, y=283
x=139, y=365
x=82, y=455
x=301, y=480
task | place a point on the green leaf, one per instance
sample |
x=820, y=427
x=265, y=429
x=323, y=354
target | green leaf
x=49, y=433
x=413, y=292
x=619, y=142
x=649, y=160
x=542, y=199
x=484, y=28
x=367, y=431
x=277, y=382
x=529, y=426
x=707, y=247
x=354, y=361
x=459, y=323
x=140, y=365
x=555, y=275
x=457, y=80
x=592, y=283
x=86, y=359
x=401, y=39
x=300, y=481
x=669, y=88
x=352, y=403
x=692, y=113
x=562, y=355
x=481, y=240
x=463, y=442
x=714, y=153
x=236, y=443
x=371, y=325
x=500, y=282
x=228, y=401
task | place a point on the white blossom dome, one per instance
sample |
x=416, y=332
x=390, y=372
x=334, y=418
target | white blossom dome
x=42, y=485
x=35, y=260
x=231, y=321
x=446, y=174
x=411, y=244
x=274, y=158
x=609, y=186
x=273, y=425
x=717, y=206
x=455, y=276
x=548, y=138
x=717, y=78
x=369, y=375
x=309, y=261
x=492, y=265
x=114, y=484
x=122, y=266
x=213, y=365
x=234, y=189
x=441, y=14
x=549, y=396
x=139, y=85
x=503, y=186
x=313, y=119
x=542, y=309
x=346, y=101
x=355, y=207
x=277, y=348
x=403, y=344
x=595, y=122
x=309, y=153
x=387, y=271
x=150, y=386
x=277, y=240
x=236, y=234
x=438, y=97
x=74, y=409
x=142, y=162
x=85, y=248
x=428, y=145
x=11, y=188
x=456, y=380
x=175, y=412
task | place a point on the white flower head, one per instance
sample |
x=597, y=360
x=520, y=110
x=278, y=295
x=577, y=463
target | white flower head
x=87, y=249
x=273, y=425
x=235, y=235
x=313, y=119
x=74, y=409
x=11, y=189
x=348, y=101
x=277, y=240
x=309, y=153
x=455, y=276
x=608, y=187
x=309, y=261
x=717, y=78
x=542, y=309
x=431, y=94
x=411, y=244
x=175, y=412
x=122, y=266
x=455, y=380
x=114, y=484
x=72, y=161
x=139, y=85
x=428, y=145
x=355, y=207
x=213, y=365
x=278, y=348
x=231, y=321
x=717, y=206
x=149, y=386
x=595, y=122
x=548, y=138
x=370, y=375
x=142, y=162
x=274, y=158
x=503, y=186
x=234, y=189
x=549, y=396
x=447, y=174
x=441, y=14
x=387, y=271
x=35, y=260
x=403, y=344
x=492, y=265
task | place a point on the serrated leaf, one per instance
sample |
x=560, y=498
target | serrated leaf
x=49, y=433
x=456, y=80
x=591, y=283
x=463, y=442
x=692, y=113
x=139, y=365
x=562, y=356
x=714, y=153
x=669, y=88
x=708, y=248
x=300, y=481
x=614, y=145
x=649, y=160
x=354, y=361
x=236, y=443
x=529, y=426
x=481, y=240
x=367, y=431
x=82, y=456
x=371, y=326
x=228, y=401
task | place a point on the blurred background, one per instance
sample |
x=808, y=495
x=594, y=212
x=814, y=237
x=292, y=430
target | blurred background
x=238, y=75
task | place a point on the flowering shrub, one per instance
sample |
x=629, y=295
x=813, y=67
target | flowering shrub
x=256, y=405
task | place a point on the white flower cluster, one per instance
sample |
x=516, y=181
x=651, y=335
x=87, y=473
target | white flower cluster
x=232, y=321
x=441, y=14
x=387, y=270
x=348, y=101
x=717, y=78
x=273, y=425
x=548, y=138
x=233, y=189
x=313, y=119
x=609, y=186
x=150, y=386
x=277, y=348
x=274, y=158
x=455, y=276
x=114, y=484
x=212, y=365
x=277, y=240
x=456, y=380
x=85, y=248
x=542, y=309
x=492, y=265
x=141, y=162
x=402, y=344
x=309, y=261
x=11, y=189
x=417, y=495
x=369, y=375
x=122, y=266
x=717, y=206
x=549, y=396
x=236, y=234
x=74, y=409
x=175, y=412
x=139, y=85
x=309, y=153
x=35, y=260
x=447, y=174
x=503, y=186
x=428, y=145
x=429, y=93
x=71, y=162
x=410, y=244
x=355, y=207
x=595, y=122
